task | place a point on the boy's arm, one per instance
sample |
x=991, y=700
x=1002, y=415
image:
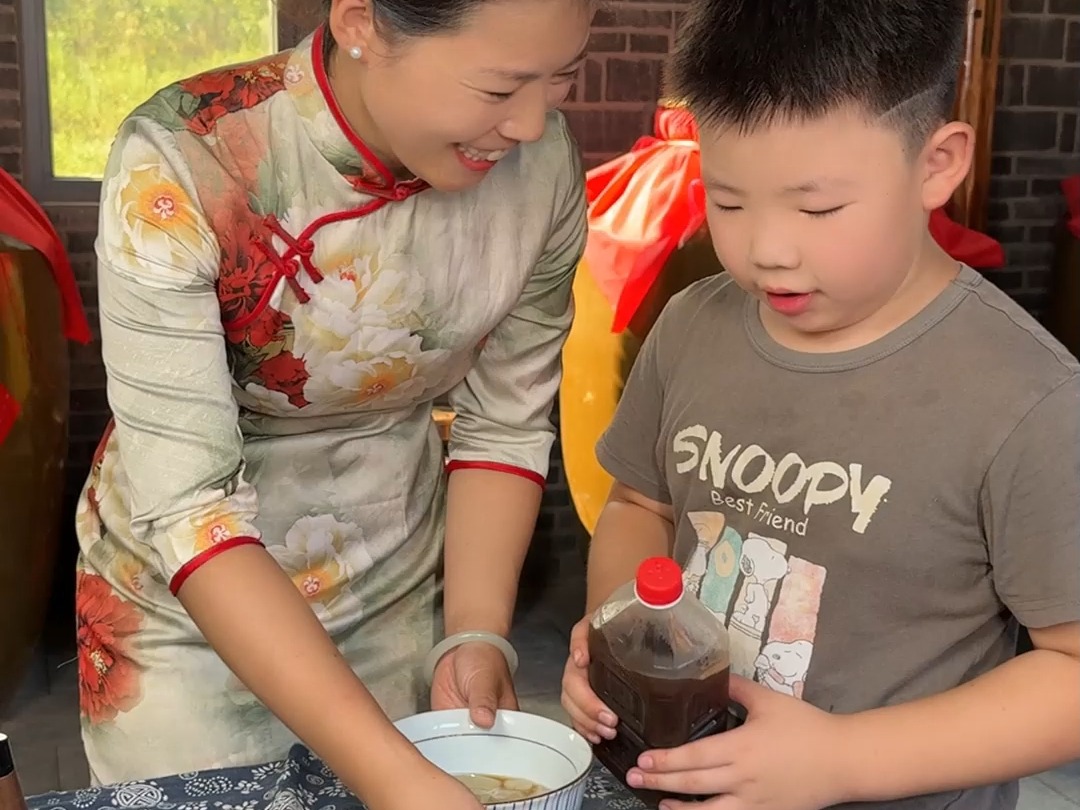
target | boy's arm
x=631, y=528
x=637, y=521
x=1016, y=720
x=1020, y=718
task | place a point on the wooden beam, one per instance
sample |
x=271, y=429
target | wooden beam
x=976, y=99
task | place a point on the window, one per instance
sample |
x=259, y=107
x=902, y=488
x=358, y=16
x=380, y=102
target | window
x=100, y=59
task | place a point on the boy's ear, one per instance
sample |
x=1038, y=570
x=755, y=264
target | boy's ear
x=946, y=160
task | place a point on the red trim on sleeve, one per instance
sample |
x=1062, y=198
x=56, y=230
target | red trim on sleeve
x=194, y=564
x=496, y=466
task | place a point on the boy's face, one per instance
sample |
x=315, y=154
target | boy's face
x=825, y=221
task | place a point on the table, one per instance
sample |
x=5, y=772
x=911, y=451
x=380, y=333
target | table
x=298, y=782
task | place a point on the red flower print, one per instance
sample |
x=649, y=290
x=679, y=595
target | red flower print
x=262, y=331
x=267, y=328
x=221, y=92
x=108, y=678
x=95, y=468
x=243, y=277
x=285, y=374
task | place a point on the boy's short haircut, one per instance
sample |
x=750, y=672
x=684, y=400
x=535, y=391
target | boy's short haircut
x=751, y=63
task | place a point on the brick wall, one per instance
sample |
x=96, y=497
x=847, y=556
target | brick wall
x=10, y=110
x=1036, y=139
x=1036, y=143
x=611, y=106
x=613, y=102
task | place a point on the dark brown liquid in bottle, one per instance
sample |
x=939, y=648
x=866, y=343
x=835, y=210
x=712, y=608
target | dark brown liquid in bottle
x=653, y=712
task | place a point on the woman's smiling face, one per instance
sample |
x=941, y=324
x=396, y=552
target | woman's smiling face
x=447, y=106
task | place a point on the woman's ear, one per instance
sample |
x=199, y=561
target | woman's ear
x=352, y=23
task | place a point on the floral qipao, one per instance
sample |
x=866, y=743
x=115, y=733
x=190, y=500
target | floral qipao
x=278, y=313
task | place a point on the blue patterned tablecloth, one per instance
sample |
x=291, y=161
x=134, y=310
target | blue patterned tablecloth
x=299, y=782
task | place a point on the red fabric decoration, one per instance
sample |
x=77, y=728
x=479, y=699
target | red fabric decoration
x=23, y=219
x=643, y=206
x=963, y=244
x=1070, y=187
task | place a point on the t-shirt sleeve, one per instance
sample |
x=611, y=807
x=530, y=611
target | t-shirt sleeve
x=630, y=447
x=169, y=385
x=1031, y=512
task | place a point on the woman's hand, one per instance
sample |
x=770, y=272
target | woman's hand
x=474, y=675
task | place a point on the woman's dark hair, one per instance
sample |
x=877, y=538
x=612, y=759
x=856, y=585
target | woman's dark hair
x=418, y=18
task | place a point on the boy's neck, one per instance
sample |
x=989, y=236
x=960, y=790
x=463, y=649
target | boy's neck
x=929, y=277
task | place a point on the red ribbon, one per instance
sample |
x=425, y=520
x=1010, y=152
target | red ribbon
x=1070, y=187
x=22, y=218
x=9, y=412
x=643, y=206
x=963, y=244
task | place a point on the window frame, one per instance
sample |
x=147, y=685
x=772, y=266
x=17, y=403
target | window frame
x=38, y=175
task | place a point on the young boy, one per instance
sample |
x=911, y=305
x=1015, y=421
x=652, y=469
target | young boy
x=885, y=446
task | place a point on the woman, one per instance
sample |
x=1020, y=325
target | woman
x=296, y=257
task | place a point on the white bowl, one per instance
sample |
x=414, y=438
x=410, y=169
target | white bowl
x=519, y=745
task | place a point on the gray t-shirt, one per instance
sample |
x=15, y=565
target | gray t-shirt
x=868, y=522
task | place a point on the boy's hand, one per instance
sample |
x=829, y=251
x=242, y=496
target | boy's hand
x=590, y=717
x=783, y=758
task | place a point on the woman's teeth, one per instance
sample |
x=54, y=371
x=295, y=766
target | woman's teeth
x=476, y=154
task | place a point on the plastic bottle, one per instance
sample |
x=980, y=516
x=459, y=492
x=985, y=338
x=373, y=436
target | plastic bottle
x=660, y=660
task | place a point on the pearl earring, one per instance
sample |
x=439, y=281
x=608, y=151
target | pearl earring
x=355, y=52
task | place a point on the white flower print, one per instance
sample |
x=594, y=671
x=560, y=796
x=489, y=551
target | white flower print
x=245, y=787
x=286, y=800
x=335, y=790
x=379, y=367
x=293, y=74
x=153, y=216
x=261, y=399
x=361, y=292
x=323, y=556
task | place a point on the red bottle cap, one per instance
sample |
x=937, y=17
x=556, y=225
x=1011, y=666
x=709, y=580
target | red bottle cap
x=659, y=581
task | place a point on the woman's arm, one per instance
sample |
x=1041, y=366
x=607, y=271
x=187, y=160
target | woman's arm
x=192, y=509
x=501, y=436
x=489, y=524
x=255, y=618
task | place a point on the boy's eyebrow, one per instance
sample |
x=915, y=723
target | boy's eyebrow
x=713, y=184
x=526, y=76
x=816, y=184
x=809, y=187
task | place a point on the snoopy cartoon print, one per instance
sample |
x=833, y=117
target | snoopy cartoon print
x=763, y=566
x=712, y=570
x=708, y=526
x=782, y=666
